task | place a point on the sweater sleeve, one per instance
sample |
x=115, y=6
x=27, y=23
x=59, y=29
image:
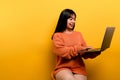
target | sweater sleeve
x=82, y=40
x=64, y=51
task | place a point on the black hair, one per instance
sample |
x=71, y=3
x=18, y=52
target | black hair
x=62, y=21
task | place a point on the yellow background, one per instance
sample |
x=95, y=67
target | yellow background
x=26, y=27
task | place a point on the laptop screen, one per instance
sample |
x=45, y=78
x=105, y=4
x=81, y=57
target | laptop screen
x=107, y=38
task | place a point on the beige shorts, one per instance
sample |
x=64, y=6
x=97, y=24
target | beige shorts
x=68, y=75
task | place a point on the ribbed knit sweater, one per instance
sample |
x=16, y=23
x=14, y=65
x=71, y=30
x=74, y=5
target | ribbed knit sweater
x=67, y=47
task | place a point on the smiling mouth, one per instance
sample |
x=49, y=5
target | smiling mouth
x=71, y=25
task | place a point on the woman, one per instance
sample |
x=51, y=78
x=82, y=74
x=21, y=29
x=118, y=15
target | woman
x=68, y=45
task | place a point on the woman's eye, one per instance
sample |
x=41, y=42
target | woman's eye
x=70, y=18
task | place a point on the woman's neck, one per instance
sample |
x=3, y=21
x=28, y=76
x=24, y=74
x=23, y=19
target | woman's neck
x=68, y=31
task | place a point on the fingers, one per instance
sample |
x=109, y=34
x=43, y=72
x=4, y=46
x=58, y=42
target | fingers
x=87, y=47
x=81, y=52
x=74, y=54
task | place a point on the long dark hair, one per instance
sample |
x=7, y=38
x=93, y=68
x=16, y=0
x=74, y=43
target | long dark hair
x=62, y=21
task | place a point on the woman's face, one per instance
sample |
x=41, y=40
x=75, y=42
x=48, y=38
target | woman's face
x=71, y=22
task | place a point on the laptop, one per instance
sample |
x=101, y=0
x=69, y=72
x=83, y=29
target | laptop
x=106, y=41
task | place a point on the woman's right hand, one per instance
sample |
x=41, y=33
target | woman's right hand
x=87, y=48
x=89, y=54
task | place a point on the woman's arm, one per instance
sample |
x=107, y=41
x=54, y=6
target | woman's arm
x=64, y=51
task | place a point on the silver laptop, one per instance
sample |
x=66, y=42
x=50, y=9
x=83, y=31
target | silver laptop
x=106, y=40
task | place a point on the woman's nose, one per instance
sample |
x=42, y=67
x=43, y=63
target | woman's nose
x=73, y=21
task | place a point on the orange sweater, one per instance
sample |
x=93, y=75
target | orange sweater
x=66, y=47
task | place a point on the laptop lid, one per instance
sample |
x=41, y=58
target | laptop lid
x=107, y=38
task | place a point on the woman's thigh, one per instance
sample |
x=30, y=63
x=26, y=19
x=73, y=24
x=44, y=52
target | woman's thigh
x=65, y=75
x=80, y=77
